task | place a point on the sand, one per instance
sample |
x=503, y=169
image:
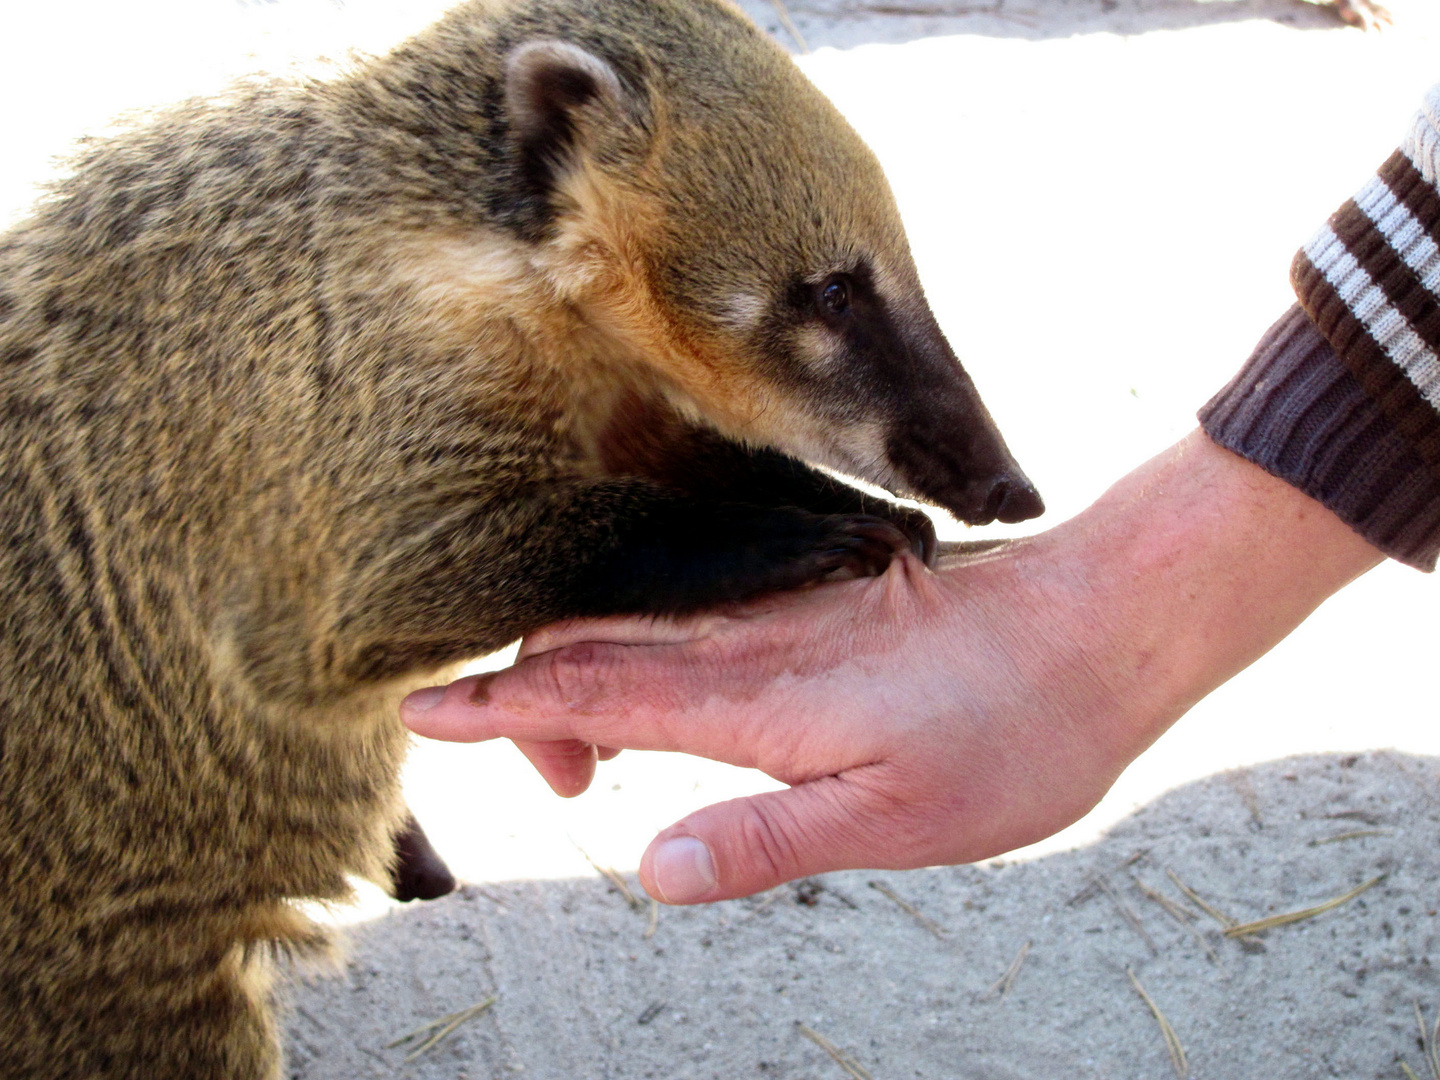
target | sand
x=586, y=990
x=1103, y=198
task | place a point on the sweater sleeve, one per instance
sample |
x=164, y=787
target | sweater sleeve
x=1342, y=396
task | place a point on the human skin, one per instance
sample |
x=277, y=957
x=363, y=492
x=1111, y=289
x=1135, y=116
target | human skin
x=925, y=717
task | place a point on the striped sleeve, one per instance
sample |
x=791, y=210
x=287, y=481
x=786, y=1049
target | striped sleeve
x=1342, y=397
x=1370, y=281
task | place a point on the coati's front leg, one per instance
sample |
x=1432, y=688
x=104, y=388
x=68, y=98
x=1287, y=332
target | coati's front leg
x=719, y=469
x=489, y=571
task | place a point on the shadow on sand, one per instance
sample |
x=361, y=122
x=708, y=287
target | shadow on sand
x=717, y=991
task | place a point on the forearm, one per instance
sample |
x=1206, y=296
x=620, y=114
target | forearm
x=1298, y=411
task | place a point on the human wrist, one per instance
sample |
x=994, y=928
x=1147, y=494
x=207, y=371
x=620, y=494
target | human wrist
x=1182, y=574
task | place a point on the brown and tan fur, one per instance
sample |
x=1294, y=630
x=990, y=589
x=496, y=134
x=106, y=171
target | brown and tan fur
x=313, y=392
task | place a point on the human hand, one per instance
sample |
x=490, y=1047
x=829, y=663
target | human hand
x=871, y=698
x=922, y=717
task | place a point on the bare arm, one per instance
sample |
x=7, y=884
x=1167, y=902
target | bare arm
x=923, y=717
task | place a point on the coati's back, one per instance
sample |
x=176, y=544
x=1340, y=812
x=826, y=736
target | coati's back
x=142, y=473
x=169, y=479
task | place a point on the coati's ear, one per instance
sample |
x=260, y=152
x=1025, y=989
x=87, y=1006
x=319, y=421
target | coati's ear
x=547, y=85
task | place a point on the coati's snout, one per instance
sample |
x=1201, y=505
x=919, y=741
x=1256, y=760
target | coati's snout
x=962, y=465
x=896, y=406
x=874, y=390
x=945, y=448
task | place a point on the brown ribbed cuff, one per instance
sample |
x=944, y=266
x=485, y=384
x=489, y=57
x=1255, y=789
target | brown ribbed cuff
x=1296, y=410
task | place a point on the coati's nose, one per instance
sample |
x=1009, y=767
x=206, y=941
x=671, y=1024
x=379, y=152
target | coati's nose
x=1012, y=500
x=1005, y=495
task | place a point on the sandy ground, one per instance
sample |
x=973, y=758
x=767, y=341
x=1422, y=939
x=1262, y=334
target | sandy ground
x=586, y=990
x=1103, y=196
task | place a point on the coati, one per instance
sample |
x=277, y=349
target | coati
x=313, y=392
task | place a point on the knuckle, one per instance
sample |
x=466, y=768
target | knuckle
x=545, y=639
x=578, y=676
x=570, y=750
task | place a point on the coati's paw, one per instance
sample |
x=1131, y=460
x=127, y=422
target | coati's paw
x=796, y=548
x=856, y=545
x=920, y=530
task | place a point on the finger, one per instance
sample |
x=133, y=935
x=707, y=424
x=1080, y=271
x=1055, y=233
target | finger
x=745, y=846
x=609, y=695
x=567, y=765
x=606, y=753
x=652, y=629
x=433, y=711
x=749, y=688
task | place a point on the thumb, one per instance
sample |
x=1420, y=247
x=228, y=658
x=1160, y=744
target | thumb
x=748, y=845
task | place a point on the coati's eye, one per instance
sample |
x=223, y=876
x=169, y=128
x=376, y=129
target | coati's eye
x=832, y=300
x=835, y=295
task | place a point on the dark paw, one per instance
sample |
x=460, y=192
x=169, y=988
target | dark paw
x=919, y=529
x=695, y=555
x=420, y=873
x=858, y=546
x=832, y=547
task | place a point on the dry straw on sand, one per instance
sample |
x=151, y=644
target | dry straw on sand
x=790, y=27
x=1428, y=1039
x=1272, y=921
x=441, y=1029
x=615, y=879
x=841, y=1057
x=1005, y=982
x=1181, y=915
x=910, y=909
x=1195, y=898
x=1131, y=919
x=1172, y=1041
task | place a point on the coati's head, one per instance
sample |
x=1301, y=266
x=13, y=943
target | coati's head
x=697, y=198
